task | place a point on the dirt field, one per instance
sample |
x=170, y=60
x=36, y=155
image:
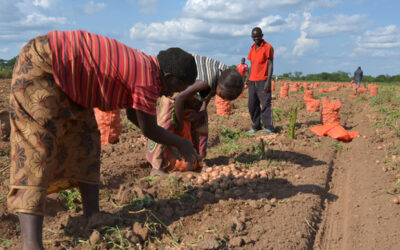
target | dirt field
x=318, y=193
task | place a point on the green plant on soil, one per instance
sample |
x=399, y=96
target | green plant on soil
x=73, y=197
x=142, y=203
x=292, y=121
x=2, y=196
x=115, y=239
x=277, y=114
x=5, y=242
x=148, y=178
x=337, y=146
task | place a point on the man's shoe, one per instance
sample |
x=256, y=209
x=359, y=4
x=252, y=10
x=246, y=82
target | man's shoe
x=268, y=131
x=251, y=131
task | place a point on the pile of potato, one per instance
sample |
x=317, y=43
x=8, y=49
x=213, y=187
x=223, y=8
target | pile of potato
x=220, y=178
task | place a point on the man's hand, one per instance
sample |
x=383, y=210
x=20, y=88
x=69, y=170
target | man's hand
x=267, y=87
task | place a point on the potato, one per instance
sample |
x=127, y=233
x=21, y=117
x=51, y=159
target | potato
x=396, y=200
x=272, y=201
x=209, y=170
x=200, y=181
x=297, y=176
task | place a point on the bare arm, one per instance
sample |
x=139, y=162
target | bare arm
x=148, y=125
x=182, y=97
x=270, y=70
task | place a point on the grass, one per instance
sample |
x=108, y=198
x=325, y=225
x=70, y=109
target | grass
x=73, y=197
x=5, y=242
x=115, y=239
x=337, y=146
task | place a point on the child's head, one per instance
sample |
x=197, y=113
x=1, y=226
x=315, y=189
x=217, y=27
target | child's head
x=178, y=70
x=243, y=60
x=230, y=84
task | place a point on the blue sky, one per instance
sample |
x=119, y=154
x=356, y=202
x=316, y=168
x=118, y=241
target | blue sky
x=310, y=36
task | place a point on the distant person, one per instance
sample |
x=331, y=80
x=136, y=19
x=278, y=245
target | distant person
x=190, y=106
x=358, y=75
x=261, y=56
x=55, y=143
x=243, y=68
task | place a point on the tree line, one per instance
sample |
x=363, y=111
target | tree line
x=6, y=67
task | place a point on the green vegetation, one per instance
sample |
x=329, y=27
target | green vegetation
x=115, y=239
x=6, y=67
x=73, y=197
x=338, y=76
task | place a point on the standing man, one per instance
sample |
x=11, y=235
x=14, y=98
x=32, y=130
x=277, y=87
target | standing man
x=261, y=56
x=358, y=75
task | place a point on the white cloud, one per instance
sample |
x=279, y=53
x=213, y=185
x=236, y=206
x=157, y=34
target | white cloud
x=4, y=50
x=274, y=24
x=36, y=19
x=45, y=3
x=380, y=42
x=237, y=11
x=282, y=52
x=303, y=43
x=380, y=38
x=338, y=24
x=92, y=7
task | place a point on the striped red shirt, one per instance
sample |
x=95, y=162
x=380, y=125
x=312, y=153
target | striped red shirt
x=96, y=71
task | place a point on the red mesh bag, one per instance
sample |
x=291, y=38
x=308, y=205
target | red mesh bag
x=175, y=162
x=373, y=90
x=109, y=124
x=330, y=111
x=362, y=90
x=284, y=92
x=223, y=106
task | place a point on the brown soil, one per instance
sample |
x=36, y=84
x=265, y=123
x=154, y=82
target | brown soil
x=319, y=193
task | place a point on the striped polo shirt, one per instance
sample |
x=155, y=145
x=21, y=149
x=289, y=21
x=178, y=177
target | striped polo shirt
x=96, y=71
x=208, y=70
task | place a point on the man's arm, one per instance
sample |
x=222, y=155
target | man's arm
x=182, y=97
x=148, y=125
x=270, y=70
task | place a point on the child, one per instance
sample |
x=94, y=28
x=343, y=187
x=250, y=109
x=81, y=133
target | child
x=190, y=107
x=55, y=144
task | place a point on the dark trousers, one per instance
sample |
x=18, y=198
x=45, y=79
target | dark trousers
x=257, y=98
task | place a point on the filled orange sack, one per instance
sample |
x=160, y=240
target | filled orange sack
x=308, y=94
x=273, y=86
x=284, y=92
x=174, y=163
x=373, y=90
x=362, y=90
x=333, y=89
x=223, y=106
x=330, y=111
x=323, y=91
x=312, y=105
x=109, y=124
x=352, y=96
x=293, y=89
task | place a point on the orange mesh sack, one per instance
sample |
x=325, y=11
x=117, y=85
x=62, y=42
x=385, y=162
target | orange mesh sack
x=373, y=90
x=175, y=162
x=273, y=86
x=330, y=111
x=284, y=92
x=312, y=105
x=362, y=90
x=333, y=89
x=308, y=94
x=223, y=106
x=109, y=124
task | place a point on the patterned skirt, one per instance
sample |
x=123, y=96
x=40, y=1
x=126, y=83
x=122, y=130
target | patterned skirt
x=55, y=143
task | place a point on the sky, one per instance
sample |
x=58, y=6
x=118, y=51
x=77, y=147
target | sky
x=308, y=36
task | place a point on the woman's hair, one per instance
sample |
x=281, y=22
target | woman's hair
x=231, y=83
x=179, y=63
